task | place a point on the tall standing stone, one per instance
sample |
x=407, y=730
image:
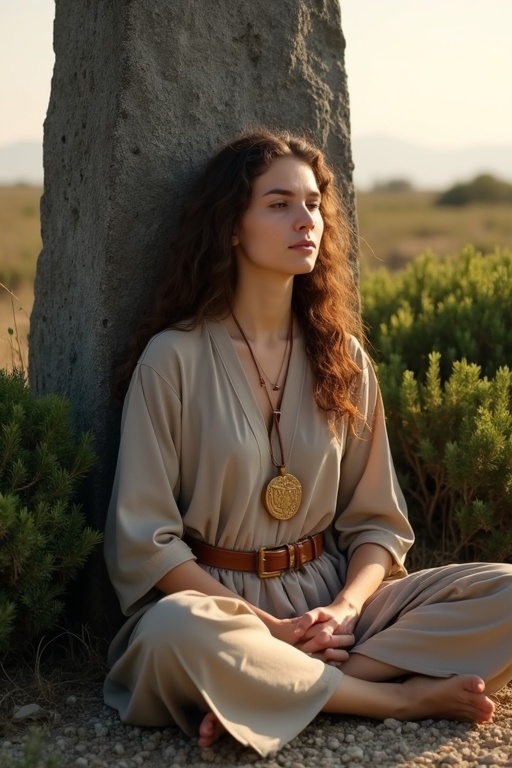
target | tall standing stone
x=142, y=93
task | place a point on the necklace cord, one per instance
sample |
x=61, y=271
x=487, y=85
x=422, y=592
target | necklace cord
x=276, y=386
x=276, y=412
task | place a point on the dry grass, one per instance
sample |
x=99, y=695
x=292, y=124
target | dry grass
x=14, y=327
x=20, y=245
x=20, y=237
x=66, y=664
x=395, y=227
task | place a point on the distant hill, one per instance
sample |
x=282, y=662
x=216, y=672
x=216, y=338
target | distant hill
x=376, y=158
x=380, y=158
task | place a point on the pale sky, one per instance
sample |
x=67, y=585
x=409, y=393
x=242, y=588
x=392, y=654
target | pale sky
x=435, y=72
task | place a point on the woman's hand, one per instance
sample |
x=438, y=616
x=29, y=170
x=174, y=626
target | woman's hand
x=324, y=633
x=283, y=629
x=327, y=633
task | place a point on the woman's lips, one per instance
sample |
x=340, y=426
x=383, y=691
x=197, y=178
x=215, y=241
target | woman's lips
x=303, y=245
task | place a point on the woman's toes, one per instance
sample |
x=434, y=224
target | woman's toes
x=210, y=730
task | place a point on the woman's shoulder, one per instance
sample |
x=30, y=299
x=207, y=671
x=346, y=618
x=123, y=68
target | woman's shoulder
x=172, y=344
x=172, y=356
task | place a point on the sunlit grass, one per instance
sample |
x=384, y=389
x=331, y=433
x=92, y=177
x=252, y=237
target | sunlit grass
x=14, y=337
x=396, y=227
x=20, y=245
x=20, y=238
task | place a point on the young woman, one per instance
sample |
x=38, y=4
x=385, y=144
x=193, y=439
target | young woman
x=256, y=534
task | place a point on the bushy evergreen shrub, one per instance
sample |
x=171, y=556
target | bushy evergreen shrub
x=43, y=537
x=459, y=306
x=35, y=753
x=441, y=336
x=483, y=189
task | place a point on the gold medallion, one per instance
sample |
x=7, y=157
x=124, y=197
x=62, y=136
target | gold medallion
x=282, y=496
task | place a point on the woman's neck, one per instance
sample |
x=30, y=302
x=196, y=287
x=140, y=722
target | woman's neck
x=264, y=315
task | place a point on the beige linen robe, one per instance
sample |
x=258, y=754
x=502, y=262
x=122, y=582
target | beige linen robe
x=194, y=457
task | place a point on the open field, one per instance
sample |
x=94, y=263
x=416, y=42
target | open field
x=20, y=239
x=396, y=227
x=393, y=228
x=20, y=245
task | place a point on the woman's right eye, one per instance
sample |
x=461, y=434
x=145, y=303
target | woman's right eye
x=280, y=204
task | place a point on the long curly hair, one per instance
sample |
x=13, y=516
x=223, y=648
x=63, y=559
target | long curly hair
x=200, y=277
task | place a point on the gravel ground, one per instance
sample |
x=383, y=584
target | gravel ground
x=82, y=732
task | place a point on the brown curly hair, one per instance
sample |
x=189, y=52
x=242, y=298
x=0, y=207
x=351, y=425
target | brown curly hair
x=200, y=277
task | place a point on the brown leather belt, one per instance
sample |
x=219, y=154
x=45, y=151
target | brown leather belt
x=266, y=562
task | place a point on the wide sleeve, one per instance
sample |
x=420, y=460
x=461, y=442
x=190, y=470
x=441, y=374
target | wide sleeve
x=370, y=505
x=144, y=526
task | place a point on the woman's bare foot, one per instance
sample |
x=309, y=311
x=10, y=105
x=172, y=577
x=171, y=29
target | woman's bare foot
x=460, y=697
x=209, y=731
x=454, y=698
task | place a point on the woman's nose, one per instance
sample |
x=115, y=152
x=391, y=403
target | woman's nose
x=305, y=220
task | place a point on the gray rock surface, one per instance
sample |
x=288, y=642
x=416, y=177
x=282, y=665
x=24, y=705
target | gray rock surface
x=142, y=93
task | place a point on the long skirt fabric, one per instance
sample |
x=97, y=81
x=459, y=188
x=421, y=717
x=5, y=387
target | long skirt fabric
x=190, y=653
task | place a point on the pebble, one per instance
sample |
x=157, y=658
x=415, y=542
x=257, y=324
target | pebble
x=29, y=712
x=333, y=744
x=390, y=722
x=90, y=735
x=490, y=759
x=451, y=759
x=355, y=751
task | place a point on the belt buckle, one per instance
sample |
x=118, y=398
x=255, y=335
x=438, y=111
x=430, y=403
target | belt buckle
x=261, y=565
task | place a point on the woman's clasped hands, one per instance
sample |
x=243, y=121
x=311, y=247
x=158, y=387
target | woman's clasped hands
x=325, y=633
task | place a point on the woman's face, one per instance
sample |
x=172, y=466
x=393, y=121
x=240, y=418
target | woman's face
x=281, y=230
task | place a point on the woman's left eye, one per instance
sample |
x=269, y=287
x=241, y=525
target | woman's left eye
x=313, y=206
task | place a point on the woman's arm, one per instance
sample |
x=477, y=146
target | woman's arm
x=316, y=631
x=367, y=569
x=371, y=518
x=319, y=629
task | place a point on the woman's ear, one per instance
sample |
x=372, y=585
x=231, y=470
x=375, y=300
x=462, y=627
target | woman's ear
x=234, y=239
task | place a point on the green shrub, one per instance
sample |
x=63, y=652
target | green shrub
x=452, y=444
x=35, y=753
x=43, y=537
x=458, y=306
x=483, y=189
x=441, y=336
